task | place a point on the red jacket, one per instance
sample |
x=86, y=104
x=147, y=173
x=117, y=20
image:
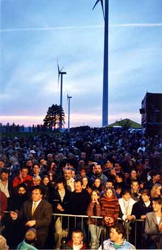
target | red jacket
x=110, y=207
x=3, y=203
x=17, y=181
x=69, y=245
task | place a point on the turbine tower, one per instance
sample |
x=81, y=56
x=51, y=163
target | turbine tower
x=105, y=10
x=68, y=99
x=60, y=72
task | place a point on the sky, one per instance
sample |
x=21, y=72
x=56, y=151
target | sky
x=34, y=34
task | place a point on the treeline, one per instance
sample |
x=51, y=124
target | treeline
x=22, y=128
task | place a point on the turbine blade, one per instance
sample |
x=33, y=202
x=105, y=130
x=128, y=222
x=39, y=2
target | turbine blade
x=102, y=6
x=58, y=68
x=61, y=69
x=95, y=4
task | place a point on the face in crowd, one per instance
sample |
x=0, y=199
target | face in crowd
x=77, y=238
x=36, y=195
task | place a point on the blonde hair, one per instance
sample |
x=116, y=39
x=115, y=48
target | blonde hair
x=154, y=189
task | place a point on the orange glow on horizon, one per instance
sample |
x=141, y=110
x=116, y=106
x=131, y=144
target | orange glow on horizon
x=75, y=119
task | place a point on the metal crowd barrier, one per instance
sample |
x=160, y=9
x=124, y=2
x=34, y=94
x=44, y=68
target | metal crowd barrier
x=131, y=227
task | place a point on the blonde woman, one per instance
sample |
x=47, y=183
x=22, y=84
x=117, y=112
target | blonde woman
x=155, y=191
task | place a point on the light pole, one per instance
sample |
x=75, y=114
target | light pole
x=68, y=98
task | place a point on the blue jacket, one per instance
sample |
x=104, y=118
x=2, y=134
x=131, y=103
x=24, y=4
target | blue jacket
x=25, y=246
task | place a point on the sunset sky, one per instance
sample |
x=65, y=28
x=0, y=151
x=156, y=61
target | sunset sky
x=35, y=33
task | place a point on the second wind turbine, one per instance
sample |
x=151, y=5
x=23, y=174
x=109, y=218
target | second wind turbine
x=105, y=10
x=60, y=72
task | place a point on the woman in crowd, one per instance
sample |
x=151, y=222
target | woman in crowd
x=155, y=191
x=94, y=209
x=61, y=204
x=85, y=184
x=109, y=207
x=97, y=184
x=47, y=187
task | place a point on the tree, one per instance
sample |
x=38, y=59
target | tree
x=55, y=117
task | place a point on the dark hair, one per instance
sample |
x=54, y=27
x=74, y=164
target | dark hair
x=110, y=180
x=125, y=191
x=40, y=189
x=157, y=200
x=120, y=229
x=120, y=175
x=145, y=191
x=76, y=230
x=82, y=168
x=37, y=164
x=22, y=185
x=78, y=180
x=61, y=179
x=4, y=170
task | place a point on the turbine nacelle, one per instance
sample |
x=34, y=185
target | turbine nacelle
x=60, y=72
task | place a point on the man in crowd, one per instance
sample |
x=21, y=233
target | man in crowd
x=69, y=179
x=126, y=204
x=135, y=195
x=117, y=239
x=98, y=173
x=79, y=199
x=36, y=213
x=153, y=225
x=5, y=183
x=23, y=177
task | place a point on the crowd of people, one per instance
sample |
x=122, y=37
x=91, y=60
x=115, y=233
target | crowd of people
x=108, y=173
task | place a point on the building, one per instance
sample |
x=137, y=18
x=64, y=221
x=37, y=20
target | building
x=151, y=111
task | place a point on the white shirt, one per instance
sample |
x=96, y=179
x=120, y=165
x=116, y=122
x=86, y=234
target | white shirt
x=4, y=188
x=37, y=203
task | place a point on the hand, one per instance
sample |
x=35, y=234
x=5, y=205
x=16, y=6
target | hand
x=59, y=207
x=30, y=223
x=130, y=217
x=13, y=215
x=106, y=219
x=160, y=226
x=95, y=201
x=111, y=220
x=143, y=217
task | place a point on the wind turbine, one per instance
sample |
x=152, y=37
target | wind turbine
x=60, y=72
x=68, y=99
x=105, y=10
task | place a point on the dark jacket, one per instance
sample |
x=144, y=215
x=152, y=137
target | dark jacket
x=139, y=208
x=56, y=199
x=42, y=215
x=79, y=202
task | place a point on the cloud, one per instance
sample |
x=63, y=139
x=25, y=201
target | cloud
x=99, y=26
